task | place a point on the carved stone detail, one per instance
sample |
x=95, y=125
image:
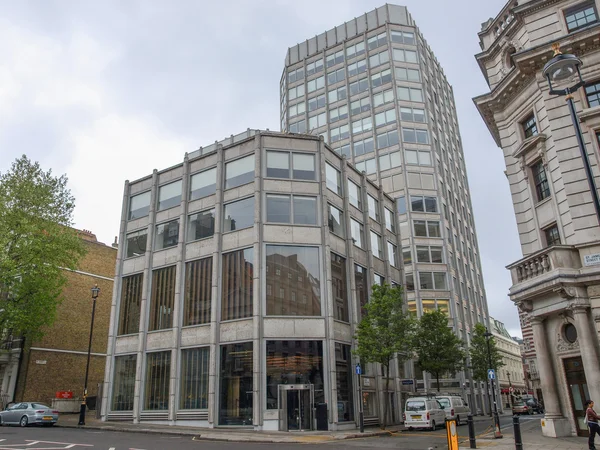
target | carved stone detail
x=566, y=292
x=525, y=306
x=564, y=346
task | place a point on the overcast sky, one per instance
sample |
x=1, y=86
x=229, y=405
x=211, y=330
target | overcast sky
x=108, y=91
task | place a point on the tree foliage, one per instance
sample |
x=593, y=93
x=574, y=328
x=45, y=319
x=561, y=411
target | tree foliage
x=439, y=350
x=480, y=363
x=384, y=331
x=36, y=241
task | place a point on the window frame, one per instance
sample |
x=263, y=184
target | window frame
x=541, y=186
x=573, y=10
x=236, y=160
x=291, y=198
x=529, y=129
x=188, y=222
x=290, y=163
x=224, y=216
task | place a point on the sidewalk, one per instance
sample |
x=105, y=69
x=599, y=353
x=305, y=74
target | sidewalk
x=224, y=434
x=532, y=440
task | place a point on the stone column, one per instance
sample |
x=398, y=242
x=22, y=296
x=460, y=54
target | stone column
x=587, y=348
x=546, y=369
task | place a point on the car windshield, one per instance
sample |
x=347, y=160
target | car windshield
x=444, y=402
x=415, y=406
x=519, y=403
x=38, y=405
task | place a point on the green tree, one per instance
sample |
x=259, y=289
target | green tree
x=36, y=242
x=384, y=332
x=439, y=350
x=480, y=362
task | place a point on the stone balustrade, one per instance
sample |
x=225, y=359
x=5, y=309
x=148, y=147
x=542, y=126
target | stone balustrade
x=544, y=261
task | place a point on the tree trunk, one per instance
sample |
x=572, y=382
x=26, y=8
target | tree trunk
x=386, y=394
x=437, y=379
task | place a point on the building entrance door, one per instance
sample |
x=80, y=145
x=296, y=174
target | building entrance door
x=578, y=392
x=296, y=407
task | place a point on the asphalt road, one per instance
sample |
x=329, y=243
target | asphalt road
x=56, y=438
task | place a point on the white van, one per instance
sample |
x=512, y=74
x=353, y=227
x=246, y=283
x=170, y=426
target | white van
x=423, y=412
x=455, y=407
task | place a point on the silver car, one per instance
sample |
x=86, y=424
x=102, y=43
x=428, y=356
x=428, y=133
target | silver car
x=24, y=414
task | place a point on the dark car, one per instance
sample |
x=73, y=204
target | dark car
x=535, y=406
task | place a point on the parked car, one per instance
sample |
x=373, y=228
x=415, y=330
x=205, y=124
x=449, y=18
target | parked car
x=27, y=413
x=423, y=412
x=536, y=406
x=520, y=407
x=454, y=407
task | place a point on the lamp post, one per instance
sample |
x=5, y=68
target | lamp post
x=560, y=69
x=95, y=292
x=497, y=432
x=510, y=390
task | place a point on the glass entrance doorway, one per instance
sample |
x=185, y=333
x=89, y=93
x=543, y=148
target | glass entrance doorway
x=296, y=407
x=578, y=392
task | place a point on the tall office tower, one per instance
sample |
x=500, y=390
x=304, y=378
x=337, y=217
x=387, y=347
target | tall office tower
x=552, y=162
x=373, y=89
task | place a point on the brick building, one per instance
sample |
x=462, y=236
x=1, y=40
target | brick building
x=57, y=361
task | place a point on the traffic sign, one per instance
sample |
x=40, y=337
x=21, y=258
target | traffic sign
x=358, y=369
x=407, y=382
x=491, y=374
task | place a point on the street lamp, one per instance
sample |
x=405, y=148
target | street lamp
x=562, y=68
x=497, y=432
x=95, y=292
x=510, y=389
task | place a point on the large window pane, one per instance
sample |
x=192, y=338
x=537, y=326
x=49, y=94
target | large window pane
x=344, y=376
x=303, y=166
x=426, y=280
x=333, y=179
x=167, y=235
x=169, y=195
x=237, y=389
x=201, y=225
x=158, y=375
x=354, y=196
x=279, y=208
x=439, y=280
x=339, y=287
x=294, y=362
x=293, y=281
x=131, y=296
x=362, y=287
x=305, y=210
x=278, y=164
x=240, y=171
x=139, y=205
x=198, y=292
x=237, y=282
x=376, y=247
x=163, y=296
x=357, y=233
x=392, y=254
x=136, y=243
x=194, y=378
x=124, y=383
x=203, y=184
x=336, y=221
x=238, y=215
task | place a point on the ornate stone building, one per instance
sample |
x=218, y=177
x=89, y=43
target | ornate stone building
x=557, y=282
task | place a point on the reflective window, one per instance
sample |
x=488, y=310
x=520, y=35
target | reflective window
x=193, y=393
x=337, y=94
x=359, y=106
x=423, y=204
x=376, y=248
x=403, y=37
x=357, y=87
x=429, y=254
x=293, y=274
x=368, y=165
x=201, y=225
x=124, y=383
x=373, y=205
x=376, y=41
x=315, y=84
x=381, y=78
x=383, y=97
x=295, y=209
x=390, y=223
x=203, y=184
x=136, y=243
x=581, y=15
x=335, y=76
x=379, y=58
x=592, y=92
x=357, y=233
x=344, y=376
x=427, y=228
x=412, y=115
x=338, y=113
x=432, y=280
x=387, y=139
x=385, y=117
x=239, y=172
x=238, y=215
x=354, y=194
x=296, y=92
x=340, y=133
x=139, y=205
x=237, y=384
x=389, y=161
x=339, y=288
x=410, y=94
x=297, y=109
x=392, y=251
x=131, y=297
x=357, y=67
x=162, y=299
x=167, y=235
x=237, y=284
x=529, y=126
x=363, y=146
x=169, y=195
x=316, y=102
x=298, y=127
x=333, y=179
x=336, y=221
x=320, y=120
x=334, y=58
x=158, y=377
x=355, y=50
x=402, y=55
x=362, y=288
x=420, y=157
x=362, y=125
x=542, y=188
x=404, y=74
x=314, y=67
x=415, y=136
x=198, y=292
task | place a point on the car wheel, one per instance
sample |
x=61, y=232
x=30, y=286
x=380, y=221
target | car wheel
x=24, y=421
x=1, y=424
x=530, y=412
x=410, y=428
x=433, y=425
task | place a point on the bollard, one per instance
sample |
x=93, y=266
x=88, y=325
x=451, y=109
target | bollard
x=471, y=425
x=517, y=428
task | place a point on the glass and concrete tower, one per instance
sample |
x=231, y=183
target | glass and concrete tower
x=373, y=89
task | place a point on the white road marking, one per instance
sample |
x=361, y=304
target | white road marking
x=30, y=443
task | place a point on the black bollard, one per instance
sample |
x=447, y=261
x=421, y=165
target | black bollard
x=471, y=425
x=517, y=428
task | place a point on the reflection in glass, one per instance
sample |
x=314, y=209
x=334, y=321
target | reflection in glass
x=139, y=205
x=236, y=382
x=336, y=221
x=169, y=195
x=239, y=214
x=239, y=172
x=201, y=225
x=198, y=292
x=158, y=374
x=339, y=287
x=237, y=284
x=294, y=362
x=194, y=378
x=362, y=288
x=136, y=243
x=203, y=184
x=344, y=376
x=293, y=281
x=124, y=383
x=167, y=235
x=131, y=297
